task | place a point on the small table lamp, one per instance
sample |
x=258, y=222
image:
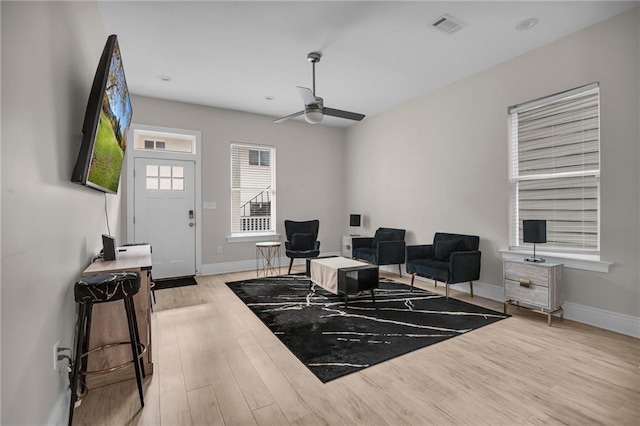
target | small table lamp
x=354, y=221
x=534, y=231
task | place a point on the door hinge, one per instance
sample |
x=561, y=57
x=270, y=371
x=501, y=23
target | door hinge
x=134, y=220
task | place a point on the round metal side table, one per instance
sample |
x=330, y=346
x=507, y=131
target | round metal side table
x=267, y=253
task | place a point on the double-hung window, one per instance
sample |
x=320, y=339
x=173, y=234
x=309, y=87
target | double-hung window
x=252, y=189
x=555, y=169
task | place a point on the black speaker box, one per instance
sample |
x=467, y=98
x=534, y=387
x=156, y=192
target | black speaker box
x=109, y=247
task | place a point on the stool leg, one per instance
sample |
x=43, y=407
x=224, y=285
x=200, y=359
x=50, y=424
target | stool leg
x=137, y=331
x=73, y=382
x=128, y=305
x=85, y=346
x=153, y=291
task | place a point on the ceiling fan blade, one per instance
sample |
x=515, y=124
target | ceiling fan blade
x=307, y=96
x=294, y=115
x=343, y=114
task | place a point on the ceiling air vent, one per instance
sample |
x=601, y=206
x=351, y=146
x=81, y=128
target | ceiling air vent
x=448, y=24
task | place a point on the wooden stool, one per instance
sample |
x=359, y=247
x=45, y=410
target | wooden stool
x=102, y=288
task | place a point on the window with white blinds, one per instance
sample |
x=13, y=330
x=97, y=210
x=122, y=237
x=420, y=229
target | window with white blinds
x=252, y=189
x=555, y=169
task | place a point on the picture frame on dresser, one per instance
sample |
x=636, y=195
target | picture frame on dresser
x=534, y=286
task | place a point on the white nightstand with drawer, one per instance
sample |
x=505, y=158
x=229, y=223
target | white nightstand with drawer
x=346, y=245
x=538, y=286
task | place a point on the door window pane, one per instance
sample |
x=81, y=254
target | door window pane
x=165, y=183
x=178, y=184
x=152, y=170
x=152, y=183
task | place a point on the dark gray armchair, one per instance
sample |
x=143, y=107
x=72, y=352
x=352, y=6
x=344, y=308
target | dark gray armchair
x=451, y=259
x=387, y=247
x=302, y=240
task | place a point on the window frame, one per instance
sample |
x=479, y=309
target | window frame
x=514, y=218
x=260, y=235
x=261, y=159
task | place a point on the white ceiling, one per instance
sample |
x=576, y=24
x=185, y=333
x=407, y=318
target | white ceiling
x=376, y=55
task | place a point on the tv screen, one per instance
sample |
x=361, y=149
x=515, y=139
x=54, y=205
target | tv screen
x=106, y=123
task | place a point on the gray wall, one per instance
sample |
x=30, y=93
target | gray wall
x=309, y=170
x=50, y=227
x=446, y=153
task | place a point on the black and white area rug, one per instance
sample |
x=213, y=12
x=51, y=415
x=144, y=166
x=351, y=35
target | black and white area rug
x=333, y=341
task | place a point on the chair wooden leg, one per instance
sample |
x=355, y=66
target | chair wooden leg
x=471, y=287
x=400, y=269
x=413, y=276
x=290, y=265
x=435, y=283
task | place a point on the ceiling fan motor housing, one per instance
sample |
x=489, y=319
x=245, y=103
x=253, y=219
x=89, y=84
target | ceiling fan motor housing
x=314, y=110
x=314, y=57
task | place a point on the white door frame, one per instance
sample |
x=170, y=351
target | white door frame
x=131, y=153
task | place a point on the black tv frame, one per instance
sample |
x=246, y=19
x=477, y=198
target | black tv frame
x=81, y=170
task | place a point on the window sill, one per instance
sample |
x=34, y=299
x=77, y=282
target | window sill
x=252, y=238
x=573, y=261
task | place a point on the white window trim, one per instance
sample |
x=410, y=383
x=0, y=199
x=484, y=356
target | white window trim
x=573, y=261
x=238, y=237
x=586, y=261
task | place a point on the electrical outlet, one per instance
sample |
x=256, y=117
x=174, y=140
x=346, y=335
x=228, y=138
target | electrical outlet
x=219, y=249
x=55, y=354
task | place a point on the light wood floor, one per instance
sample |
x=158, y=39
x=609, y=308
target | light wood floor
x=216, y=363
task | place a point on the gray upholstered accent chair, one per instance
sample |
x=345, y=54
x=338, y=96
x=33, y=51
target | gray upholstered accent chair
x=451, y=259
x=387, y=247
x=302, y=240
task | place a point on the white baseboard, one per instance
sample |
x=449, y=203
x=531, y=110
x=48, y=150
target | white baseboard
x=612, y=321
x=226, y=267
x=59, y=415
x=248, y=265
x=488, y=291
x=608, y=320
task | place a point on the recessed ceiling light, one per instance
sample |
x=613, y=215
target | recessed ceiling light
x=164, y=77
x=269, y=98
x=527, y=24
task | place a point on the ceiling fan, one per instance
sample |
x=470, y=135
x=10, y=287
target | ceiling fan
x=314, y=109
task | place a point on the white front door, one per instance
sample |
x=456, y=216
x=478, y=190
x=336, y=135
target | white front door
x=164, y=214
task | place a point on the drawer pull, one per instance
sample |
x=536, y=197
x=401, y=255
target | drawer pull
x=525, y=282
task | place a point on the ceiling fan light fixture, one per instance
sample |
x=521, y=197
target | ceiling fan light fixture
x=313, y=115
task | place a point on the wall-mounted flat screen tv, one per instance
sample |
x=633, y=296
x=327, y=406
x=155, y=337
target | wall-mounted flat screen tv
x=106, y=123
